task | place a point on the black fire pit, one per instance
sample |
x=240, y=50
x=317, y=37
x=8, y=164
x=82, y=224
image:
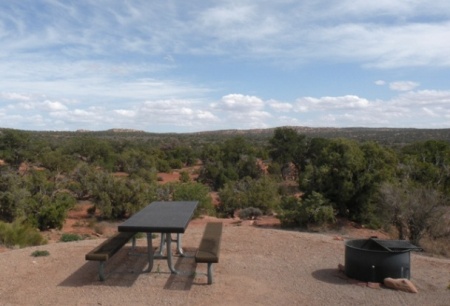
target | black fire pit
x=372, y=260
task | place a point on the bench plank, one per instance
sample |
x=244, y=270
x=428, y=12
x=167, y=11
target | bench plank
x=209, y=249
x=107, y=249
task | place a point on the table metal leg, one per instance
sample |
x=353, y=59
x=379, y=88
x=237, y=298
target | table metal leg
x=166, y=242
x=169, y=254
x=162, y=246
x=150, y=251
x=179, y=245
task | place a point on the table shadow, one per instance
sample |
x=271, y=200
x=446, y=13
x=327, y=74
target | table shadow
x=121, y=270
x=331, y=276
x=184, y=281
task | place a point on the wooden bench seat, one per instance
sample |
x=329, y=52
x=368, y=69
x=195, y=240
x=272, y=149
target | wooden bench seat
x=209, y=249
x=108, y=248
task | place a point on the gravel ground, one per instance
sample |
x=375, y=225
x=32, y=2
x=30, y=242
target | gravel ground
x=258, y=266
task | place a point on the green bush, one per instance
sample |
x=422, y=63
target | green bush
x=20, y=234
x=259, y=193
x=290, y=214
x=39, y=253
x=175, y=164
x=163, y=166
x=116, y=198
x=314, y=209
x=184, y=177
x=53, y=212
x=318, y=209
x=67, y=237
x=193, y=191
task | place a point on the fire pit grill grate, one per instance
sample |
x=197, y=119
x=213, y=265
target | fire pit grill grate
x=396, y=245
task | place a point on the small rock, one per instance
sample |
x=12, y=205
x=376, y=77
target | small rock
x=402, y=284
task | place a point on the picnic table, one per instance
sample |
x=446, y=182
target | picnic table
x=167, y=218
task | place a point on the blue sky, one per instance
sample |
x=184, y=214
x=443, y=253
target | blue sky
x=187, y=66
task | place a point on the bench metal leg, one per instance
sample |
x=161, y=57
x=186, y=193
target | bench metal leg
x=210, y=273
x=150, y=251
x=133, y=243
x=133, y=247
x=101, y=271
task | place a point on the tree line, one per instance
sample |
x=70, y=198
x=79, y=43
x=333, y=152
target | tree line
x=374, y=184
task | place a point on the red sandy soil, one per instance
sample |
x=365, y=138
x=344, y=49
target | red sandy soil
x=80, y=222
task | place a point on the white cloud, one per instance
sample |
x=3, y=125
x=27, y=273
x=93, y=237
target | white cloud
x=280, y=106
x=407, y=109
x=14, y=96
x=424, y=109
x=433, y=98
x=379, y=34
x=343, y=102
x=125, y=113
x=430, y=112
x=403, y=85
x=182, y=113
x=53, y=106
x=239, y=103
x=77, y=63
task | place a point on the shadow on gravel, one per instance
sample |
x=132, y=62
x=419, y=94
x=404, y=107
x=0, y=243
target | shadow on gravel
x=187, y=265
x=121, y=270
x=331, y=276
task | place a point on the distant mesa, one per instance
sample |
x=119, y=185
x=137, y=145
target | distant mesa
x=125, y=131
x=114, y=131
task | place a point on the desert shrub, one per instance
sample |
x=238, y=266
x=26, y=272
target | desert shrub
x=259, y=193
x=184, y=177
x=250, y=213
x=53, y=211
x=39, y=253
x=318, y=209
x=163, y=166
x=175, y=164
x=289, y=214
x=149, y=175
x=314, y=209
x=117, y=198
x=68, y=237
x=193, y=191
x=20, y=234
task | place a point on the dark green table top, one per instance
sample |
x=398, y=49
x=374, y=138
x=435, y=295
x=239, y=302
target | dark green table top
x=161, y=217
